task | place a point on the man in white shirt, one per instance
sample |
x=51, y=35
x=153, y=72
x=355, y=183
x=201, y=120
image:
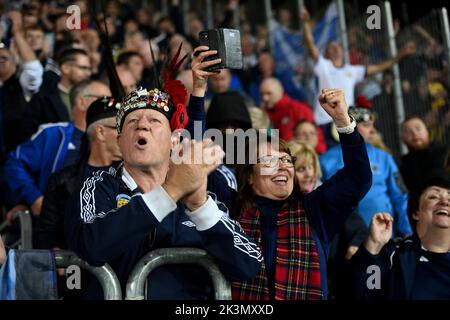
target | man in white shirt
x=333, y=72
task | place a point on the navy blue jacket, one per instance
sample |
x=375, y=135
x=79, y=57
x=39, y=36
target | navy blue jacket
x=111, y=221
x=44, y=107
x=329, y=206
x=398, y=265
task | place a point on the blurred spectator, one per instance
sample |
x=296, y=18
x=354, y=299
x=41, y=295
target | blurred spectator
x=425, y=158
x=131, y=61
x=437, y=117
x=266, y=69
x=227, y=113
x=222, y=82
x=35, y=37
x=343, y=248
x=91, y=43
x=387, y=193
x=195, y=26
x=139, y=43
x=284, y=112
x=84, y=12
x=332, y=72
x=416, y=268
x=250, y=61
x=307, y=131
x=52, y=104
x=127, y=80
x=143, y=18
x=284, y=17
x=102, y=150
x=249, y=56
x=54, y=146
x=307, y=166
x=262, y=38
x=19, y=80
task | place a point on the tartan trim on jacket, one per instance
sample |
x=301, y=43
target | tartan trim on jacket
x=297, y=271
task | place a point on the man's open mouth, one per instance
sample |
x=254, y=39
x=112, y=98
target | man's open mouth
x=142, y=141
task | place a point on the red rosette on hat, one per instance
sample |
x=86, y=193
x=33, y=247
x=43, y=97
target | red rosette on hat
x=363, y=102
x=179, y=118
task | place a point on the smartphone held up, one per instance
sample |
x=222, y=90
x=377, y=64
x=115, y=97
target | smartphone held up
x=227, y=42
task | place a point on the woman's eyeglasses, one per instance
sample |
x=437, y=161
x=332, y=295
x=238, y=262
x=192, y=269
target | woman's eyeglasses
x=272, y=161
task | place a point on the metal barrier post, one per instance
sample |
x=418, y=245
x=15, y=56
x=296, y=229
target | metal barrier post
x=268, y=11
x=236, y=17
x=164, y=7
x=446, y=30
x=26, y=234
x=209, y=14
x=136, y=281
x=343, y=29
x=104, y=274
x=185, y=12
x=399, y=106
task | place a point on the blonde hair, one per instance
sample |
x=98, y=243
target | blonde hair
x=377, y=141
x=303, y=153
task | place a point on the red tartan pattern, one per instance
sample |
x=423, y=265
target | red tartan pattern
x=297, y=273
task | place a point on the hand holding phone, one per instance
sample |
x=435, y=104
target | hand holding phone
x=227, y=42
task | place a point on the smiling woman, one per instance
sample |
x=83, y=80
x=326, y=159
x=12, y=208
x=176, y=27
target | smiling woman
x=293, y=229
x=415, y=268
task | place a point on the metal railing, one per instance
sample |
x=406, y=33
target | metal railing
x=104, y=274
x=136, y=282
x=25, y=242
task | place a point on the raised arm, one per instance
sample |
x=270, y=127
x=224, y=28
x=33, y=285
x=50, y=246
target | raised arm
x=32, y=70
x=196, y=109
x=338, y=196
x=308, y=37
x=369, y=258
x=407, y=50
x=25, y=51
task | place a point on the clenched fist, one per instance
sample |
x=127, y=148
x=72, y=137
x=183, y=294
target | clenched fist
x=333, y=102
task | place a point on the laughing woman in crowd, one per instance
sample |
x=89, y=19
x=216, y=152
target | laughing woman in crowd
x=294, y=229
x=416, y=268
x=307, y=166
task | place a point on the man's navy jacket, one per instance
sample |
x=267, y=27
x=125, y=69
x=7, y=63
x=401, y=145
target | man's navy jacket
x=112, y=221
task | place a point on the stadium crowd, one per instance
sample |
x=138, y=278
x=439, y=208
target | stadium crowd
x=87, y=116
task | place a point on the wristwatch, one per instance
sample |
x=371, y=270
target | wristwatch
x=348, y=129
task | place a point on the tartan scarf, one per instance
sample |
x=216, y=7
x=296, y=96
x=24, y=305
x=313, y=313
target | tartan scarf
x=297, y=271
